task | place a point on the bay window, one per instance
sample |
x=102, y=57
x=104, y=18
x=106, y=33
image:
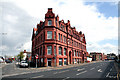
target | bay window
x=49, y=34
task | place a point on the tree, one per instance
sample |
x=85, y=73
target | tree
x=20, y=56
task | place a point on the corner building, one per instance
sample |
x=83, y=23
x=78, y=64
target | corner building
x=57, y=43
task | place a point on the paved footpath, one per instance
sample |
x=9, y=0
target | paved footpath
x=117, y=66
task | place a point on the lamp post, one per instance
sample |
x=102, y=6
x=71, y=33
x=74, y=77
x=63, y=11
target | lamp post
x=2, y=43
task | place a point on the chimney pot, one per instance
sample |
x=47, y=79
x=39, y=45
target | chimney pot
x=49, y=9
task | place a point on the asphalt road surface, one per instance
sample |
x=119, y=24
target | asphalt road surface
x=104, y=70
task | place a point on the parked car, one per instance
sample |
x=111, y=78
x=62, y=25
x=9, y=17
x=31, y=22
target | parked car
x=8, y=61
x=17, y=63
x=23, y=64
x=1, y=60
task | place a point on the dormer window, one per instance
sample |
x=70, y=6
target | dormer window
x=49, y=22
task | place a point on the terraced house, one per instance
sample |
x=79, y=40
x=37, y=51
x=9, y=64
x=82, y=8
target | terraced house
x=57, y=43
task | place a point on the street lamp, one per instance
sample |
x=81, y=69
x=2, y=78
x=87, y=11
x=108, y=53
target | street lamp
x=2, y=42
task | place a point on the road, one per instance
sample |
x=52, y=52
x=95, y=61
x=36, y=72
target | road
x=105, y=70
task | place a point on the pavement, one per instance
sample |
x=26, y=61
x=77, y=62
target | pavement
x=94, y=70
x=117, y=66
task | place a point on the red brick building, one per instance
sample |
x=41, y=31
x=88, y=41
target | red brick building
x=57, y=43
x=97, y=56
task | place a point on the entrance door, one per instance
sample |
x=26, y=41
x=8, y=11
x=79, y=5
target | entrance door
x=49, y=62
x=70, y=57
x=83, y=58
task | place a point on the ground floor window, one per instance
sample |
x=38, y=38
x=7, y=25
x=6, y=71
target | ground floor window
x=75, y=61
x=60, y=61
x=80, y=60
x=85, y=60
x=65, y=61
x=49, y=61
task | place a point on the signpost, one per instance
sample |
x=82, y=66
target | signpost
x=36, y=59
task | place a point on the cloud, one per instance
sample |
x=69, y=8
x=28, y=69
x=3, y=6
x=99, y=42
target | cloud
x=86, y=18
x=105, y=48
x=4, y=48
x=18, y=25
x=22, y=15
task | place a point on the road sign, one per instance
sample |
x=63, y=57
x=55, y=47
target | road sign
x=36, y=59
x=36, y=56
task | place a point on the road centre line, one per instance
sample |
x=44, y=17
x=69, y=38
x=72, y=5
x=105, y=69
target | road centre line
x=111, y=69
x=81, y=72
x=55, y=73
x=38, y=76
x=61, y=72
x=25, y=79
x=80, y=69
x=92, y=68
x=98, y=66
x=66, y=78
x=99, y=70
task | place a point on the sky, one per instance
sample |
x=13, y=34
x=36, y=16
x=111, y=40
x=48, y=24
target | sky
x=98, y=20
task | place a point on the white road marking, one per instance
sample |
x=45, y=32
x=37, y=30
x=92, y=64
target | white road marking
x=111, y=69
x=80, y=69
x=92, y=68
x=98, y=66
x=15, y=74
x=63, y=71
x=99, y=70
x=25, y=79
x=66, y=78
x=38, y=76
x=81, y=72
x=20, y=73
x=55, y=73
x=110, y=76
x=107, y=74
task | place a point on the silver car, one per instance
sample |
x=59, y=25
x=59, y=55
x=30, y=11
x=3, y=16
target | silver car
x=23, y=64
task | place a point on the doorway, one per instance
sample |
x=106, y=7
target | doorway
x=49, y=61
x=70, y=57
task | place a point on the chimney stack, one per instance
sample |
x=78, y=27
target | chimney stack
x=49, y=9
